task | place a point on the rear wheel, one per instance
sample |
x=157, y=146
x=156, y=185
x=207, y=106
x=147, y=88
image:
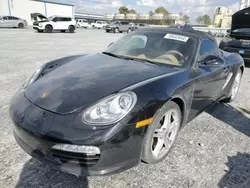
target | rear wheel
x=71, y=29
x=48, y=29
x=20, y=25
x=107, y=31
x=162, y=133
x=235, y=87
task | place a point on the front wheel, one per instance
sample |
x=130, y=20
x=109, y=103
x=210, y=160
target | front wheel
x=235, y=87
x=162, y=133
x=116, y=30
x=20, y=25
x=71, y=29
x=48, y=29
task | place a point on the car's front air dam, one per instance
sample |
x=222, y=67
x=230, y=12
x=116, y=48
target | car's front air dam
x=118, y=152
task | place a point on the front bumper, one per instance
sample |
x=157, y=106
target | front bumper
x=110, y=29
x=120, y=151
x=245, y=55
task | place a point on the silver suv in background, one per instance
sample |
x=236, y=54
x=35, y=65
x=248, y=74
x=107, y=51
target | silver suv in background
x=12, y=21
x=119, y=27
x=141, y=25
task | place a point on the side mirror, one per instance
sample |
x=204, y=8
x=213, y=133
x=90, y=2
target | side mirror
x=229, y=31
x=110, y=44
x=211, y=60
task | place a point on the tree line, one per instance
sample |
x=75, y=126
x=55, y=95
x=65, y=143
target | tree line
x=205, y=19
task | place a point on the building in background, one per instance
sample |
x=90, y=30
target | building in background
x=222, y=17
x=244, y=4
x=172, y=18
x=26, y=8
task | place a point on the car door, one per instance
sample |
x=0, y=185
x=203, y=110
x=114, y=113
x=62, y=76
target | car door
x=2, y=23
x=125, y=26
x=5, y=22
x=15, y=21
x=209, y=80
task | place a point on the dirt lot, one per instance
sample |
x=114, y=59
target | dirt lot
x=212, y=151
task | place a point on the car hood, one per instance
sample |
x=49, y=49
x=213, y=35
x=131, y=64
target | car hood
x=240, y=20
x=111, y=25
x=239, y=44
x=87, y=79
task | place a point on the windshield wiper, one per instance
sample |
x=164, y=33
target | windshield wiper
x=141, y=60
x=128, y=58
x=111, y=54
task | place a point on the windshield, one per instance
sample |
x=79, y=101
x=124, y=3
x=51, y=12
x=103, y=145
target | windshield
x=242, y=30
x=155, y=47
x=114, y=23
x=51, y=18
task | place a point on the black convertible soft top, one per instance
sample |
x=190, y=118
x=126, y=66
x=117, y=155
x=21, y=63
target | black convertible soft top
x=180, y=31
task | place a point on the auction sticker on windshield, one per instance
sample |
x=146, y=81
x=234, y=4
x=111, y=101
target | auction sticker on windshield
x=176, y=37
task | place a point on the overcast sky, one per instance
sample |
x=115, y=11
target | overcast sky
x=193, y=8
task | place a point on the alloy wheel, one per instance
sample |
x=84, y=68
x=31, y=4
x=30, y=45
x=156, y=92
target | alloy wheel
x=165, y=134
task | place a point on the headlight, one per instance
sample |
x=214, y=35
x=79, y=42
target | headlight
x=110, y=110
x=33, y=77
x=40, y=25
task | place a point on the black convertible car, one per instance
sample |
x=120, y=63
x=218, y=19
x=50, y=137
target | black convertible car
x=238, y=40
x=104, y=113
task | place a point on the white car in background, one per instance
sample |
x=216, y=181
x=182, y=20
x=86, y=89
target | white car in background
x=99, y=24
x=82, y=23
x=55, y=23
x=12, y=21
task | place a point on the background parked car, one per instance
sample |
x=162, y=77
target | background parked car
x=132, y=25
x=119, y=27
x=99, y=24
x=82, y=23
x=12, y=21
x=52, y=23
x=141, y=25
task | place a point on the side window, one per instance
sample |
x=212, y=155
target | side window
x=208, y=47
x=6, y=18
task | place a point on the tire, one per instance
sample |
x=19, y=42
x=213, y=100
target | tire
x=235, y=87
x=116, y=30
x=129, y=30
x=158, y=133
x=48, y=29
x=71, y=29
x=39, y=31
x=107, y=31
x=20, y=25
x=63, y=31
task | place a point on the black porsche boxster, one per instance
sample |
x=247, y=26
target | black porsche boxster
x=104, y=113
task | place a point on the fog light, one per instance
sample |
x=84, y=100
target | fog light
x=77, y=148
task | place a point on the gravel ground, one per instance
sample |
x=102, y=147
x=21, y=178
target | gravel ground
x=211, y=151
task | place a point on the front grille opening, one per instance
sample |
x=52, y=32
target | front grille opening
x=73, y=158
